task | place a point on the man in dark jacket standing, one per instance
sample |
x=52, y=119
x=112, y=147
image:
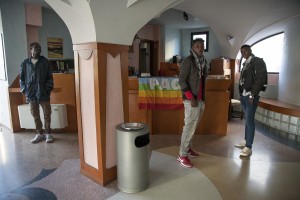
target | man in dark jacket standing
x=193, y=72
x=36, y=83
x=253, y=79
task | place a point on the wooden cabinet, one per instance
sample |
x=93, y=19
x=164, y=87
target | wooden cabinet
x=169, y=69
x=217, y=68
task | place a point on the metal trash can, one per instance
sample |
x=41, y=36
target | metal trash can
x=132, y=157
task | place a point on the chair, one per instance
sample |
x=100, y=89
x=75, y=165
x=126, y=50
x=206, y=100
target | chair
x=238, y=112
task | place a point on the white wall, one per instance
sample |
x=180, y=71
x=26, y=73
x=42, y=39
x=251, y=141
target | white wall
x=14, y=35
x=172, y=43
x=288, y=86
x=14, y=31
x=289, y=82
x=54, y=27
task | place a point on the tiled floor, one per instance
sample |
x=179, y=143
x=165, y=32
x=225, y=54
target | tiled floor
x=272, y=172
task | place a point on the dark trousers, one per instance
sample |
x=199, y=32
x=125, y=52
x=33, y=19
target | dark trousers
x=35, y=112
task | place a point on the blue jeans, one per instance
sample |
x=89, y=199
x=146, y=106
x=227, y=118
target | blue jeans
x=249, y=111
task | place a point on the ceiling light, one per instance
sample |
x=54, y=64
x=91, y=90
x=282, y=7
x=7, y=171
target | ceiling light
x=185, y=16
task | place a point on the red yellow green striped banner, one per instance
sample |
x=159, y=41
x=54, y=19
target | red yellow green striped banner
x=159, y=93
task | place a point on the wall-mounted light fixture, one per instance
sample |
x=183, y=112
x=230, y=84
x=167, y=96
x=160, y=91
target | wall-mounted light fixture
x=185, y=16
x=136, y=37
x=231, y=40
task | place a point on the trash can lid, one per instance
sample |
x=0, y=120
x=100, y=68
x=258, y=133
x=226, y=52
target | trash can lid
x=132, y=126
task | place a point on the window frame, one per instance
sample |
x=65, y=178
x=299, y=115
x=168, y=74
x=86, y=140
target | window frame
x=240, y=63
x=206, y=42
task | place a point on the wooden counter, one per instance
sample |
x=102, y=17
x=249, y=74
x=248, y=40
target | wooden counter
x=63, y=93
x=214, y=120
x=215, y=116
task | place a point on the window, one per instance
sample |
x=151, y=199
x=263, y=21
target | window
x=203, y=35
x=270, y=49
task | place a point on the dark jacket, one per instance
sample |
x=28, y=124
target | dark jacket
x=189, y=78
x=36, y=81
x=255, y=76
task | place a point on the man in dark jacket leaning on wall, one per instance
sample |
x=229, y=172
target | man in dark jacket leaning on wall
x=36, y=83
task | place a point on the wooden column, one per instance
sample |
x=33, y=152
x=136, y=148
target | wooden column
x=101, y=76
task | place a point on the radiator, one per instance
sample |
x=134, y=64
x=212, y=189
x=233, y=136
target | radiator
x=59, y=117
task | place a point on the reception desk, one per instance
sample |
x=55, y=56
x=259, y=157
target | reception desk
x=214, y=119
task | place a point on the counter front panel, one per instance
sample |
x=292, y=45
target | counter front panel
x=159, y=93
x=170, y=120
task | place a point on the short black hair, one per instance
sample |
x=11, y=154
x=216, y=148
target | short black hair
x=197, y=40
x=35, y=44
x=246, y=46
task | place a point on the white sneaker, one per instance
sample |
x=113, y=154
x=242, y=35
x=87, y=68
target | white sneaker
x=241, y=144
x=38, y=138
x=246, y=152
x=49, y=138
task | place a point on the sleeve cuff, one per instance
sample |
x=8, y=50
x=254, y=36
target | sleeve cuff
x=188, y=95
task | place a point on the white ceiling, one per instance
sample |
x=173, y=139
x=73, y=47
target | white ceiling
x=174, y=18
x=171, y=17
x=227, y=15
x=241, y=19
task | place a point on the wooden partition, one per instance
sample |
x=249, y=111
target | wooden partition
x=63, y=93
x=169, y=69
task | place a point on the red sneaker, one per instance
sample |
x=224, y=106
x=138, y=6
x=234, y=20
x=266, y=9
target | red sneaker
x=192, y=153
x=184, y=161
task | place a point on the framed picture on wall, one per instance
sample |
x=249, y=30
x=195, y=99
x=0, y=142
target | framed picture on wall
x=2, y=60
x=55, y=47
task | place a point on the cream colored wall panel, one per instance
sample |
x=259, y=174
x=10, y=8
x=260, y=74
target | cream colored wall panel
x=87, y=94
x=114, y=107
